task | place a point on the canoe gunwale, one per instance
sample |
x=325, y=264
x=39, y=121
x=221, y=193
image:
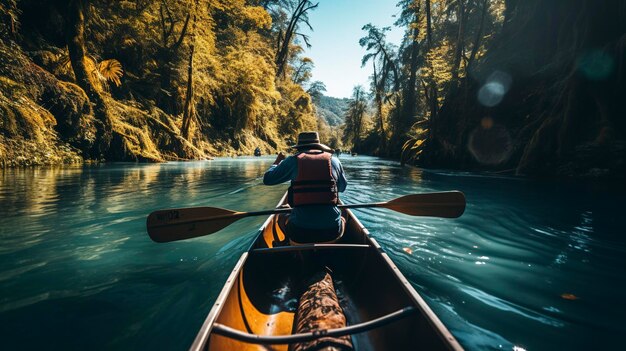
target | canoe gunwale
x=202, y=337
x=432, y=318
x=200, y=342
x=389, y=318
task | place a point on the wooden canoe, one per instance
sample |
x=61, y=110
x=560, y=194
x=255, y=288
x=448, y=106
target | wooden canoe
x=256, y=308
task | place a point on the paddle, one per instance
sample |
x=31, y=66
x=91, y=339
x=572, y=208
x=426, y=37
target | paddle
x=185, y=223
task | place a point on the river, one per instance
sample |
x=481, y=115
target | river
x=533, y=265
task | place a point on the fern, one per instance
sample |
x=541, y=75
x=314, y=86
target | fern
x=413, y=148
x=112, y=71
x=107, y=70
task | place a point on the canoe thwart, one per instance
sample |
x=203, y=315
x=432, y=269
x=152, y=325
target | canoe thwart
x=307, y=247
x=229, y=332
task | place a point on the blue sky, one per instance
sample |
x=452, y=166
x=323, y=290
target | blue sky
x=335, y=49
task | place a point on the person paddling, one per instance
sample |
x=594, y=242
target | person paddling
x=316, y=180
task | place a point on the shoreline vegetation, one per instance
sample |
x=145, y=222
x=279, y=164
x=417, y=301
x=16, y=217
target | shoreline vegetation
x=530, y=87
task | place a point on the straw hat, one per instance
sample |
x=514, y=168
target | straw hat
x=310, y=140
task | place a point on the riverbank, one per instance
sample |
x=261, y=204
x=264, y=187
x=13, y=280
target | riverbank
x=26, y=153
x=21, y=152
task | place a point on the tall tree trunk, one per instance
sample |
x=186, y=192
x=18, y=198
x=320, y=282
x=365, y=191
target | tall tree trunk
x=75, y=38
x=283, y=52
x=188, y=107
x=459, y=42
x=479, y=35
x=166, y=53
x=429, y=28
x=410, y=100
x=379, y=108
x=432, y=97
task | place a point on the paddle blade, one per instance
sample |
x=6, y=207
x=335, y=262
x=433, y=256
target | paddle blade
x=447, y=204
x=185, y=223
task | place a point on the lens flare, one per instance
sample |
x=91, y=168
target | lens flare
x=486, y=122
x=490, y=143
x=494, y=89
x=595, y=65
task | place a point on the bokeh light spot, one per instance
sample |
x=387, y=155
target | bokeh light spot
x=568, y=296
x=490, y=146
x=494, y=89
x=486, y=122
x=595, y=65
x=491, y=94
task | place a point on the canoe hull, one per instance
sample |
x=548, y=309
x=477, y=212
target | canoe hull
x=261, y=294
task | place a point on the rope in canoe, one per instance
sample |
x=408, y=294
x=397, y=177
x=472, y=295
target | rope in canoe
x=229, y=332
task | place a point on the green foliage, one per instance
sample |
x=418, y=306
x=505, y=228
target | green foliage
x=331, y=109
x=443, y=38
x=356, y=119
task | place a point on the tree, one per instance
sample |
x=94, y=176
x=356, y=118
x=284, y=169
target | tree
x=479, y=34
x=316, y=90
x=188, y=106
x=75, y=39
x=355, y=115
x=167, y=53
x=286, y=35
x=409, y=16
x=460, y=41
x=302, y=72
x=381, y=52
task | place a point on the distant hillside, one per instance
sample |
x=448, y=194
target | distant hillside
x=331, y=109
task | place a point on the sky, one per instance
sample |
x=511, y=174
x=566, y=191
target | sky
x=335, y=49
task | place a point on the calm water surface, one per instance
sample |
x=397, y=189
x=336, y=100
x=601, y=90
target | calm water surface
x=532, y=265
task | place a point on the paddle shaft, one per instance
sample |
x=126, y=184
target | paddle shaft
x=239, y=215
x=236, y=216
x=185, y=223
x=368, y=205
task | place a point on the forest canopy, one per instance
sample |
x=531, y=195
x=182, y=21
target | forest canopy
x=151, y=80
x=530, y=87
x=527, y=87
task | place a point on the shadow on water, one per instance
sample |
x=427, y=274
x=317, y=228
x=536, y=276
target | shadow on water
x=532, y=264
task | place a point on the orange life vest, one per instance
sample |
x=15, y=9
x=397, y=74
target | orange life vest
x=314, y=184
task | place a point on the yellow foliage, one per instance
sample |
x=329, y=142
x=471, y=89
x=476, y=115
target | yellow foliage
x=497, y=8
x=258, y=16
x=413, y=148
x=439, y=63
x=100, y=73
x=111, y=70
x=236, y=97
x=21, y=116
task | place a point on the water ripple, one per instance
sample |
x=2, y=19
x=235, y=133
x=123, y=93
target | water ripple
x=538, y=265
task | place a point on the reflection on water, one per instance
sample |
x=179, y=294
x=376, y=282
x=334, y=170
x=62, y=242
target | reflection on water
x=537, y=265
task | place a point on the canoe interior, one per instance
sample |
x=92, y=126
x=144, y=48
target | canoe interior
x=261, y=297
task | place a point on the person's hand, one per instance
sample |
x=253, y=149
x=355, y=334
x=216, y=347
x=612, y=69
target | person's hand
x=279, y=158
